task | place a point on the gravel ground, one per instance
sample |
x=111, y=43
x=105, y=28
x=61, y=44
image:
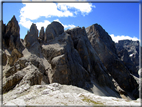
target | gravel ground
x=56, y=94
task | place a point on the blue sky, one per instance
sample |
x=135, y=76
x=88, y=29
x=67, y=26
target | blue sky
x=120, y=20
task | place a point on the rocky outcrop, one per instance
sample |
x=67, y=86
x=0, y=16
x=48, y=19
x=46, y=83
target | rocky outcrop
x=107, y=53
x=12, y=29
x=30, y=69
x=11, y=42
x=89, y=60
x=68, y=57
x=131, y=60
x=128, y=52
x=53, y=30
x=31, y=41
x=32, y=36
x=29, y=75
x=11, y=36
x=124, y=56
x=74, y=61
x=15, y=55
x=41, y=35
x=97, y=32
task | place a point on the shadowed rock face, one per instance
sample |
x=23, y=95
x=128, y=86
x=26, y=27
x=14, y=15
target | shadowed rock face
x=41, y=34
x=11, y=41
x=128, y=51
x=32, y=36
x=97, y=32
x=107, y=53
x=11, y=36
x=74, y=61
x=68, y=57
x=13, y=28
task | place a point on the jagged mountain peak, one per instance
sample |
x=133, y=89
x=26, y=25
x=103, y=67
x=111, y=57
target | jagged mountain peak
x=13, y=18
x=128, y=42
x=14, y=23
x=82, y=57
x=96, y=32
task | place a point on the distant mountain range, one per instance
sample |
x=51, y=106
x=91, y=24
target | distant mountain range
x=128, y=52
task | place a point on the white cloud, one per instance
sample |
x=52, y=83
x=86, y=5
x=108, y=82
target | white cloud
x=84, y=8
x=42, y=24
x=66, y=26
x=69, y=26
x=122, y=37
x=27, y=24
x=32, y=11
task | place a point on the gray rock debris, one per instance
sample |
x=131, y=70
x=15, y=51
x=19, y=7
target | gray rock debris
x=60, y=95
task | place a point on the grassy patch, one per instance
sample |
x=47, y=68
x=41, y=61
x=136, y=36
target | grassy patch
x=91, y=101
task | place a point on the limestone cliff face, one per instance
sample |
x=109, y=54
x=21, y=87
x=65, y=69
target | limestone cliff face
x=128, y=51
x=107, y=53
x=65, y=57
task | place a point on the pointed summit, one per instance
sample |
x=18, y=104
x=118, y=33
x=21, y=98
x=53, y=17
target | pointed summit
x=97, y=31
x=13, y=27
x=31, y=36
x=13, y=18
x=41, y=34
x=11, y=34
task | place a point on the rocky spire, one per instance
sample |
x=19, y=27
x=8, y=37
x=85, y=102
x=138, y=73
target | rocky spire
x=13, y=27
x=41, y=34
x=32, y=35
x=11, y=35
